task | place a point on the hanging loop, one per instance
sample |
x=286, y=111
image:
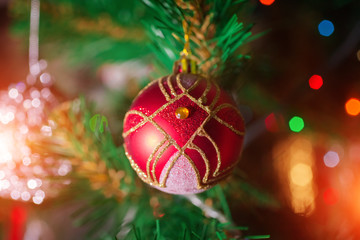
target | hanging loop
x=186, y=64
x=186, y=51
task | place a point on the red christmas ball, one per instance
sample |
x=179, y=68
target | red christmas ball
x=183, y=134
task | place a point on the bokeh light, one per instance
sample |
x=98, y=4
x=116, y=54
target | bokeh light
x=24, y=174
x=352, y=106
x=294, y=160
x=315, y=82
x=271, y=123
x=301, y=174
x=330, y=196
x=331, y=159
x=267, y=2
x=326, y=28
x=296, y=124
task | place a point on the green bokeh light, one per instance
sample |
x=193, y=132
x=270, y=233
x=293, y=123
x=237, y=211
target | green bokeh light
x=296, y=124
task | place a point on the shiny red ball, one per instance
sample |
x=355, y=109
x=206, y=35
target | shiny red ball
x=183, y=134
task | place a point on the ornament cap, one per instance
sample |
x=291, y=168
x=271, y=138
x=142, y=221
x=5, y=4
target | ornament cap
x=185, y=65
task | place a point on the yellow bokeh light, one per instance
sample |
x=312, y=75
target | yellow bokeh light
x=294, y=160
x=301, y=174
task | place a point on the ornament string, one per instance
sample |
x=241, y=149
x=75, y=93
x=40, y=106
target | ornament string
x=34, y=66
x=186, y=51
x=186, y=64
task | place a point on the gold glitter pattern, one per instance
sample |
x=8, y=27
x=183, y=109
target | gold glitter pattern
x=168, y=141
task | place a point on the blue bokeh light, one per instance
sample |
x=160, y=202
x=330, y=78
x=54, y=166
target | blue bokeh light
x=326, y=28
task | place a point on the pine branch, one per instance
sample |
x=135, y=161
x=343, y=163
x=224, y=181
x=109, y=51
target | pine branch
x=92, y=155
x=215, y=32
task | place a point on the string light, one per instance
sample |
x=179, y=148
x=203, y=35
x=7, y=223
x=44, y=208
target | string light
x=315, y=82
x=267, y=2
x=352, y=106
x=296, y=124
x=326, y=28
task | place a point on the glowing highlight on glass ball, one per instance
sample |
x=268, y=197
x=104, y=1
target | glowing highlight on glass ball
x=36, y=102
x=25, y=196
x=45, y=78
x=37, y=200
x=27, y=104
x=182, y=113
x=15, y=194
x=39, y=197
x=326, y=28
x=32, y=184
x=352, y=106
x=296, y=124
x=331, y=159
x=267, y=2
x=315, y=82
x=13, y=93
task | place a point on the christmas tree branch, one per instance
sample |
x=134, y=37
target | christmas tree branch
x=216, y=34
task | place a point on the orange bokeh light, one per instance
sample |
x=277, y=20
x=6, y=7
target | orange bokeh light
x=352, y=106
x=267, y=2
x=330, y=196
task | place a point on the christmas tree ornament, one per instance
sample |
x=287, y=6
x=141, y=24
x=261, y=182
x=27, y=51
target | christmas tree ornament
x=183, y=134
x=24, y=175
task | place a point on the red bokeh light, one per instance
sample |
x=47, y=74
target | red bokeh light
x=315, y=82
x=18, y=221
x=271, y=123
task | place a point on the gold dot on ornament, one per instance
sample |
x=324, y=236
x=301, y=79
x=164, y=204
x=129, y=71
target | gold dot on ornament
x=182, y=113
